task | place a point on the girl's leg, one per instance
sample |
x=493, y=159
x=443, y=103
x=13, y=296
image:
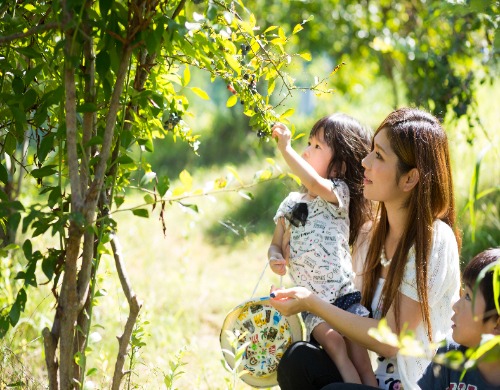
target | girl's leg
x=361, y=360
x=305, y=366
x=334, y=345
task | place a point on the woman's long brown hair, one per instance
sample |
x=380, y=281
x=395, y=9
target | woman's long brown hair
x=420, y=142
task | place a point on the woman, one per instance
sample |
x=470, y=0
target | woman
x=407, y=263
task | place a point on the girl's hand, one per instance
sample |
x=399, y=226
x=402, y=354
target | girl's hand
x=292, y=300
x=278, y=264
x=282, y=134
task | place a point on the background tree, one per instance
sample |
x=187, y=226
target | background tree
x=84, y=85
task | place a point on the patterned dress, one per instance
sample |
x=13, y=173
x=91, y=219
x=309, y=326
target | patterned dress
x=320, y=257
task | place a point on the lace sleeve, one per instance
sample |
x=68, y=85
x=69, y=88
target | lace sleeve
x=444, y=266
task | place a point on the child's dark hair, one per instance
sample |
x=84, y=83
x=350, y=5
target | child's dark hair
x=471, y=273
x=350, y=142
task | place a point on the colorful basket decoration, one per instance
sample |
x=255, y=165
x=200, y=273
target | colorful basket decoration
x=267, y=335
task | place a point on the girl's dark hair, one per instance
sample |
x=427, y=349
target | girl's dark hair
x=419, y=141
x=471, y=274
x=350, y=142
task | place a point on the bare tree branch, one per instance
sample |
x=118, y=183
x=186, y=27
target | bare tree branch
x=134, y=308
x=32, y=31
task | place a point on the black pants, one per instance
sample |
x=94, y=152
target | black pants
x=305, y=366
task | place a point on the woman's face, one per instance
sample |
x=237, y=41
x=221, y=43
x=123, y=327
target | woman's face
x=380, y=182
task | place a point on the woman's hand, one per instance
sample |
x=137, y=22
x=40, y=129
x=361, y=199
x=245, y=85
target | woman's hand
x=292, y=300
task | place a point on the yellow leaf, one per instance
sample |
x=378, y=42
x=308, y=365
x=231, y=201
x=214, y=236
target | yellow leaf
x=186, y=77
x=235, y=174
x=287, y=113
x=306, y=56
x=271, y=28
x=201, y=93
x=232, y=101
x=271, y=86
x=297, y=28
x=295, y=178
x=233, y=63
x=178, y=191
x=186, y=179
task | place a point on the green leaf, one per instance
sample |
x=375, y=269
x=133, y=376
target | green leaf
x=163, y=185
x=141, y=213
x=4, y=175
x=10, y=144
x=18, y=85
x=48, y=266
x=125, y=160
x=92, y=371
x=46, y=146
x=32, y=73
x=86, y=107
x=54, y=197
x=232, y=101
x=190, y=206
x=246, y=195
x=20, y=121
x=17, y=307
x=80, y=359
x=102, y=60
x=149, y=199
x=30, y=97
x=47, y=170
x=201, y=93
x=105, y=6
x=28, y=250
x=119, y=199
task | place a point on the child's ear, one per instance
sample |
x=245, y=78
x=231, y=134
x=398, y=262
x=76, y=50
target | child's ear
x=496, y=329
x=340, y=173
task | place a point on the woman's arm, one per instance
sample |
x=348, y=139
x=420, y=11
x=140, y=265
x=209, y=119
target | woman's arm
x=352, y=326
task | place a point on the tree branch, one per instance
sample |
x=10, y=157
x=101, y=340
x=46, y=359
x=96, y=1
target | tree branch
x=134, y=308
x=32, y=31
x=50, y=344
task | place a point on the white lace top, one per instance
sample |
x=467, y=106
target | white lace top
x=444, y=287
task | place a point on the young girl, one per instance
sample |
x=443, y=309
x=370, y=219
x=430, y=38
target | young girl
x=407, y=263
x=315, y=228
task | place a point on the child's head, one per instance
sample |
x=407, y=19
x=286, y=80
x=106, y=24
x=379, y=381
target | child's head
x=350, y=143
x=477, y=314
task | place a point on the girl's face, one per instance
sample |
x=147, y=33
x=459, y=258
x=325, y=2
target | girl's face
x=380, y=183
x=468, y=325
x=318, y=154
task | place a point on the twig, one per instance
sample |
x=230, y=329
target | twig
x=32, y=31
x=134, y=308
